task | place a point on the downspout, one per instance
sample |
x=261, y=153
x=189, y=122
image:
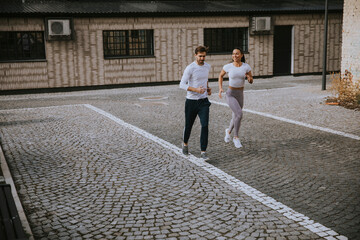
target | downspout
x=325, y=47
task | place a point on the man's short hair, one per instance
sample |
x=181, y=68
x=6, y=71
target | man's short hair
x=201, y=49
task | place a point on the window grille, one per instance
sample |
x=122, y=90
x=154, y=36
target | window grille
x=128, y=43
x=19, y=46
x=224, y=40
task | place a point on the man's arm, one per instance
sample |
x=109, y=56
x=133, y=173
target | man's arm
x=200, y=90
x=184, y=83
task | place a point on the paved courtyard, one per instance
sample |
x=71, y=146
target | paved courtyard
x=106, y=164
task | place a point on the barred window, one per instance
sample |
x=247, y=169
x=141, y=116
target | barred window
x=128, y=43
x=224, y=40
x=19, y=46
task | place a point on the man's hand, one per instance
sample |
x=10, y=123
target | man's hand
x=200, y=90
x=208, y=91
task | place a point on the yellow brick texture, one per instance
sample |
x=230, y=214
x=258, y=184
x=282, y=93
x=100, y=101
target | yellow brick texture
x=80, y=62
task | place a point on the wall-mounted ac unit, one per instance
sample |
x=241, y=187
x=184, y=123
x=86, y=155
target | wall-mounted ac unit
x=59, y=29
x=260, y=25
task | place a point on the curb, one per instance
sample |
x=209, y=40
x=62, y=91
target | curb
x=9, y=180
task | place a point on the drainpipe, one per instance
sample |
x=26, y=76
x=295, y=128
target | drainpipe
x=325, y=47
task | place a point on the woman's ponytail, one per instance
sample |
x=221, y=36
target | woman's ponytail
x=243, y=58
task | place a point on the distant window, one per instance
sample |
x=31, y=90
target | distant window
x=18, y=46
x=128, y=43
x=224, y=40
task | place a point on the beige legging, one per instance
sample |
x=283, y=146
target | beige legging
x=235, y=100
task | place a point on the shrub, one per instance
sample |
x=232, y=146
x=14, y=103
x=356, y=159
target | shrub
x=346, y=91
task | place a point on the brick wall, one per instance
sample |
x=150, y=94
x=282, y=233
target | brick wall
x=351, y=38
x=23, y=75
x=80, y=62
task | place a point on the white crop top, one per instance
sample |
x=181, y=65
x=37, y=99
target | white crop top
x=237, y=74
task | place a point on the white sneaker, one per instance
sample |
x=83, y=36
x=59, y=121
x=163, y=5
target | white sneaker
x=237, y=142
x=227, y=136
x=204, y=156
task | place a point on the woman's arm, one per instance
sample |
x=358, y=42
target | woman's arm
x=250, y=77
x=220, y=81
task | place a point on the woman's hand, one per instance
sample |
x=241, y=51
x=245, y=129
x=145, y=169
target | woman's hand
x=220, y=91
x=249, y=77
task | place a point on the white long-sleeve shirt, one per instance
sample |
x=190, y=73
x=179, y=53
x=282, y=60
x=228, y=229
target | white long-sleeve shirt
x=195, y=76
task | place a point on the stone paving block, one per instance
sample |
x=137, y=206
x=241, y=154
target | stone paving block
x=94, y=168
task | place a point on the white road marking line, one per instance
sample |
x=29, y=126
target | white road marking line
x=34, y=108
x=54, y=95
x=295, y=122
x=299, y=218
x=92, y=93
x=268, y=89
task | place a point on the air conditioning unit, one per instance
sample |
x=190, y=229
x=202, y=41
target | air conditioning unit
x=59, y=29
x=260, y=25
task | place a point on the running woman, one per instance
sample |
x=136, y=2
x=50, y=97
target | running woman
x=195, y=82
x=237, y=71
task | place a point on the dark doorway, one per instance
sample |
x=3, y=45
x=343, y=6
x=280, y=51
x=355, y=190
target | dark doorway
x=282, y=50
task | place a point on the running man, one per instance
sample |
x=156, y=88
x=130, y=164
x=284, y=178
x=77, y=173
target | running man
x=195, y=82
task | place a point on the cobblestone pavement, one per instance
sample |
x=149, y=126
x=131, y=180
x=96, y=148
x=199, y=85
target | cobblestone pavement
x=82, y=175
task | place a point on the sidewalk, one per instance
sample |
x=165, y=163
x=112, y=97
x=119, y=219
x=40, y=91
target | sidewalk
x=107, y=165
